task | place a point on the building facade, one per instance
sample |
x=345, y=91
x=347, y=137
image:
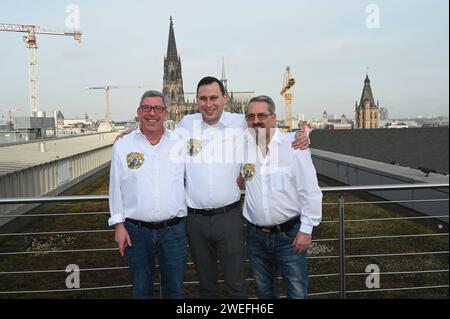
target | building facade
x=367, y=113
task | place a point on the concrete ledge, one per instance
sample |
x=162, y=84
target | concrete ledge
x=355, y=171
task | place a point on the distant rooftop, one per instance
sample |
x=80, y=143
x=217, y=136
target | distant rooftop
x=22, y=156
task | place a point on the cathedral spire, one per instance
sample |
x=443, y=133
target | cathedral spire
x=172, y=53
x=224, y=77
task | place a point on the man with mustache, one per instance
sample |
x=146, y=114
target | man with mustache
x=283, y=203
x=215, y=226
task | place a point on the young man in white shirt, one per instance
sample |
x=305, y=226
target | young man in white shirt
x=148, y=202
x=283, y=203
x=215, y=225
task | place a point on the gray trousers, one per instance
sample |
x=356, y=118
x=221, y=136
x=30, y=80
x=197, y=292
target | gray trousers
x=218, y=237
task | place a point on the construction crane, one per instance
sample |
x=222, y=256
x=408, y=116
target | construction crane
x=109, y=87
x=30, y=39
x=288, y=83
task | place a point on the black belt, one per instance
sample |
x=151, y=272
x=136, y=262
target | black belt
x=157, y=225
x=284, y=227
x=214, y=211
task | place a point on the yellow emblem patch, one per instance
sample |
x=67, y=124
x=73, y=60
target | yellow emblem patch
x=194, y=147
x=249, y=172
x=135, y=160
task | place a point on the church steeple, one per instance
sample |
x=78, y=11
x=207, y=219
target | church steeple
x=173, y=78
x=224, y=77
x=367, y=113
x=172, y=53
x=367, y=93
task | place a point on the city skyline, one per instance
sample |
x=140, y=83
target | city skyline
x=327, y=45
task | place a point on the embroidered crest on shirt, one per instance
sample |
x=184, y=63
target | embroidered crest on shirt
x=249, y=172
x=194, y=147
x=135, y=160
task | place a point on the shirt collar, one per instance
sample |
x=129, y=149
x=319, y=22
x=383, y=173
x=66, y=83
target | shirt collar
x=224, y=120
x=276, y=136
x=166, y=134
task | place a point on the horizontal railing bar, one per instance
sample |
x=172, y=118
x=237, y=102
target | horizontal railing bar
x=396, y=289
x=400, y=201
x=382, y=187
x=32, y=200
x=58, y=251
x=398, y=254
x=315, y=240
x=380, y=237
x=29, y=272
x=60, y=232
x=63, y=290
x=390, y=201
x=324, y=293
x=56, y=214
x=398, y=272
x=385, y=219
x=79, y=198
x=395, y=218
x=397, y=236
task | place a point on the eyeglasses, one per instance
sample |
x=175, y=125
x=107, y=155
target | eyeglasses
x=155, y=108
x=261, y=116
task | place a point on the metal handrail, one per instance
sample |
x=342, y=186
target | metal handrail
x=80, y=198
x=342, y=238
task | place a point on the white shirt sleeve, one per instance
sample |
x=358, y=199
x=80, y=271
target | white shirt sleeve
x=115, y=192
x=308, y=189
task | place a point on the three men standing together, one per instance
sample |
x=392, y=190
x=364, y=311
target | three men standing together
x=148, y=201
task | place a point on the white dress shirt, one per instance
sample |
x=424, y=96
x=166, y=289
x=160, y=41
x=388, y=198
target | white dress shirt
x=281, y=185
x=213, y=166
x=146, y=184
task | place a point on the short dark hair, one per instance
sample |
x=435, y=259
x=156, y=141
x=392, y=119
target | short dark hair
x=209, y=80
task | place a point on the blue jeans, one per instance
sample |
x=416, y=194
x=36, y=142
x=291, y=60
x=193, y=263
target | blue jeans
x=169, y=244
x=273, y=253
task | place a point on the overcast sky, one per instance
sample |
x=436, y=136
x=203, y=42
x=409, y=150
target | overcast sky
x=327, y=44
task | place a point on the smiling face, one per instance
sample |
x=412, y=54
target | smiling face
x=151, y=122
x=211, y=102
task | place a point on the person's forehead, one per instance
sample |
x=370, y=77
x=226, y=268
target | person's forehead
x=153, y=100
x=209, y=89
x=258, y=107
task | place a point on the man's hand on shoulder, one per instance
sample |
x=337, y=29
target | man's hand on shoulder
x=301, y=139
x=122, y=134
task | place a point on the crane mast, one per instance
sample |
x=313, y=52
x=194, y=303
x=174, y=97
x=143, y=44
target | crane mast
x=30, y=39
x=288, y=83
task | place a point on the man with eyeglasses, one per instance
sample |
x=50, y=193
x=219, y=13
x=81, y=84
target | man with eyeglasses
x=215, y=225
x=283, y=203
x=147, y=202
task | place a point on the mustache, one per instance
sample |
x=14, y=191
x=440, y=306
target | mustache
x=258, y=125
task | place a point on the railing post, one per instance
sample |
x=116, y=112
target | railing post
x=342, y=244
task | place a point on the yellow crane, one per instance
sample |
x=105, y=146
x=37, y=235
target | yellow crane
x=288, y=83
x=30, y=39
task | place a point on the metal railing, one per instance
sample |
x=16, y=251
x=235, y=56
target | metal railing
x=342, y=239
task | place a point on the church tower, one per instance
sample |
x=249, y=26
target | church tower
x=173, y=79
x=367, y=113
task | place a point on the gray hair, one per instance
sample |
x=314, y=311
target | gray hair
x=154, y=93
x=262, y=98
